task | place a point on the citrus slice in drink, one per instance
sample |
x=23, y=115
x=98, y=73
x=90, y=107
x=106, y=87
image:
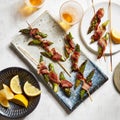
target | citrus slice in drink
x=7, y=92
x=31, y=90
x=20, y=100
x=3, y=101
x=15, y=85
x=115, y=36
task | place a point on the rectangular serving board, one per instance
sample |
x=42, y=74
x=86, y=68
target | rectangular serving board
x=56, y=34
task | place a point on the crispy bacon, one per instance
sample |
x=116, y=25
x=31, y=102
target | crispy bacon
x=86, y=86
x=55, y=55
x=33, y=32
x=69, y=40
x=69, y=45
x=54, y=77
x=102, y=43
x=66, y=84
x=75, y=56
x=99, y=32
x=74, y=66
x=96, y=20
x=68, y=49
x=45, y=44
x=42, y=69
x=79, y=76
x=100, y=13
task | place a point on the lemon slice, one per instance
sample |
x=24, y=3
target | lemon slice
x=15, y=85
x=31, y=90
x=3, y=101
x=115, y=36
x=20, y=100
x=7, y=92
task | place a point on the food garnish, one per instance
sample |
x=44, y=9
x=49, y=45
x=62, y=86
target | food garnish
x=75, y=57
x=21, y=100
x=115, y=36
x=96, y=20
x=31, y=90
x=15, y=85
x=7, y=91
x=6, y=94
x=65, y=84
x=3, y=100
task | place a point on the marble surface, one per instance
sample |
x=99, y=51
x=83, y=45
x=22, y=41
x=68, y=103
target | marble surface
x=106, y=100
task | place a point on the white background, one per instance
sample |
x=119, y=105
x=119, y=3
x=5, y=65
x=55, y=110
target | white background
x=106, y=100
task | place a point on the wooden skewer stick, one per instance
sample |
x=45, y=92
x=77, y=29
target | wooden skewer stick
x=93, y=6
x=29, y=24
x=89, y=96
x=104, y=57
x=28, y=55
x=64, y=68
x=110, y=41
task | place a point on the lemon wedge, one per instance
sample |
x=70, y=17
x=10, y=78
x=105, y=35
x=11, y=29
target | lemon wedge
x=30, y=90
x=7, y=92
x=20, y=100
x=15, y=85
x=3, y=101
x=115, y=36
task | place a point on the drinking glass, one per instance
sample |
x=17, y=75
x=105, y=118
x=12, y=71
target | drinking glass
x=35, y=3
x=71, y=13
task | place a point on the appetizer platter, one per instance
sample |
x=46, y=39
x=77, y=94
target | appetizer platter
x=94, y=28
x=62, y=66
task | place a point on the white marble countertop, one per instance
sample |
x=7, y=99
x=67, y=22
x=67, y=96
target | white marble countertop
x=106, y=100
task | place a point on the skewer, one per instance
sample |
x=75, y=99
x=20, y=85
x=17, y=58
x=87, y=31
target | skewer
x=28, y=55
x=57, y=62
x=29, y=24
x=93, y=6
x=89, y=96
x=64, y=68
x=104, y=57
x=110, y=41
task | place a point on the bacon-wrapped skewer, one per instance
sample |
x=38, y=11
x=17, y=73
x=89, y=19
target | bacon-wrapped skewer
x=96, y=20
x=75, y=57
x=79, y=75
x=99, y=32
x=102, y=43
x=69, y=45
x=54, y=78
x=43, y=70
x=65, y=84
x=53, y=55
x=42, y=43
x=87, y=83
x=33, y=32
